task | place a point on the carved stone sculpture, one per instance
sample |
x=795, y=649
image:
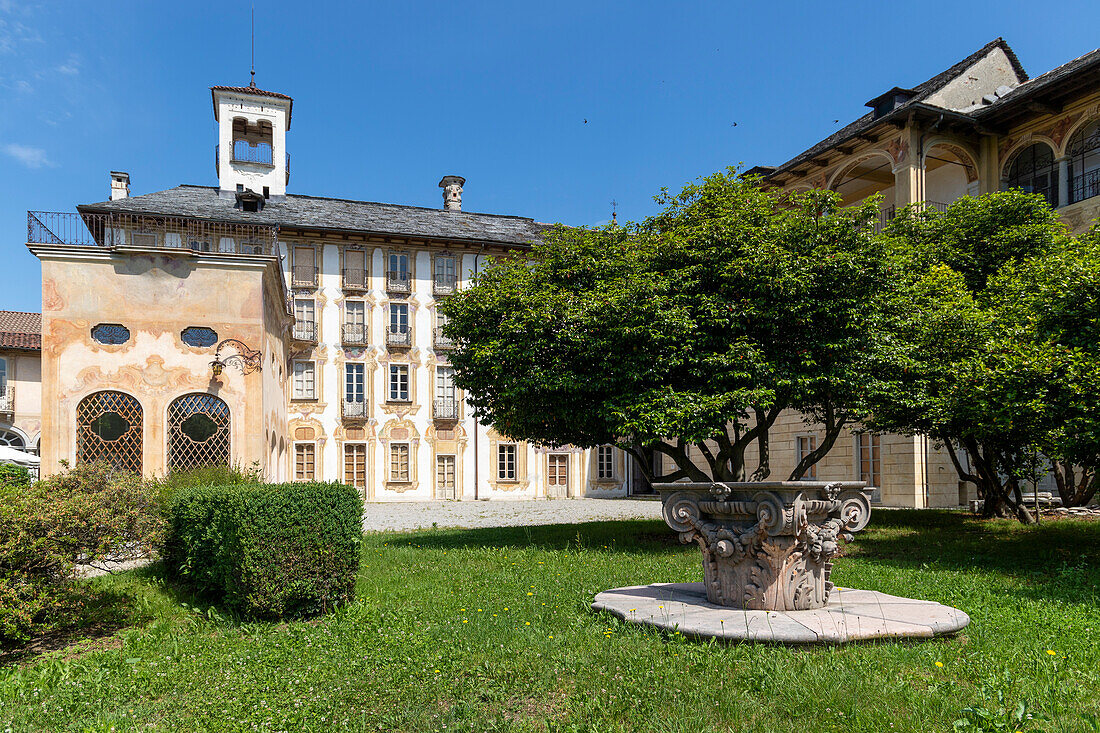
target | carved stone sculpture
x=767, y=545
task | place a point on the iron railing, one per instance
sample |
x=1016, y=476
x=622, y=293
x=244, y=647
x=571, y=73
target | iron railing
x=7, y=400
x=246, y=152
x=444, y=284
x=305, y=331
x=355, y=280
x=218, y=160
x=441, y=340
x=303, y=276
x=354, y=410
x=150, y=231
x=355, y=334
x=1084, y=186
x=398, y=282
x=887, y=214
x=445, y=409
x=397, y=337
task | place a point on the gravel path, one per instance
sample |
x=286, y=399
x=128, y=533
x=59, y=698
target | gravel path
x=401, y=516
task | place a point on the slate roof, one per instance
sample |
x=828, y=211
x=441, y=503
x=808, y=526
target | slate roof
x=921, y=92
x=20, y=330
x=1041, y=82
x=253, y=90
x=314, y=212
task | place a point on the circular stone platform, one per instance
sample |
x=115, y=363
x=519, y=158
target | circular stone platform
x=851, y=615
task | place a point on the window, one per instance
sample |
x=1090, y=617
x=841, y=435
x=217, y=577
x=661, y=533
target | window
x=355, y=465
x=353, y=383
x=303, y=381
x=399, y=265
x=445, y=383
x=605, y=463
x=355, y=322
x=869, y=459
x=399, y=462
x=399, y=383
x=109, y=429
x=304, y=459
x=3, y=377
x=807, y=444
x=11, y=439
x=143, y=239
x=1033, y=170
x=111, y=334
x=355, y=269
x=1083, y=151
x=399, y=317
x=305, y=271
x=445, y=274
x=445, y=477
x=198, y=432
x=506, y=462
x=199, y=336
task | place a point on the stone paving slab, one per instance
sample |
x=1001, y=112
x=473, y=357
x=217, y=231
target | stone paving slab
x=851, y=615
x=392, y=516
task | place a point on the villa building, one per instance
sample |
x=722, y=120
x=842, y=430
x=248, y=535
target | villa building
x=982, y=125
x=299, y=335
x=20, y=380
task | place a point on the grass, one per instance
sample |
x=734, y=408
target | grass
x=490, y=630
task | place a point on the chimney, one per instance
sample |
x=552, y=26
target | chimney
x=120, y=185
x=452, y=192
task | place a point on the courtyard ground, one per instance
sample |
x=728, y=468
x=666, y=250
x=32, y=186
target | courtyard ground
x=490, y=630
x=405, y=516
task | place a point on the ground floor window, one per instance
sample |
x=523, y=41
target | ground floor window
x=305, y=455
x=11, y=439
x=198, y=432
x=605, y=464
x=399, y=462
x=506, y=462
x=807, y=444
x=355, y=465
x=445, y=477
x=109, y=429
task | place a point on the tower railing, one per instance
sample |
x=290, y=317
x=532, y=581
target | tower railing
x=150, y=231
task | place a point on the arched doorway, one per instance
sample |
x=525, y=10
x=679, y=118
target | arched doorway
x=198, y=432
x=109, y=429
x=949, y=174
x=1033, y=170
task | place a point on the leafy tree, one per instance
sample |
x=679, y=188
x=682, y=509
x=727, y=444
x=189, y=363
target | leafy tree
x=985, y=370
x=694, y=328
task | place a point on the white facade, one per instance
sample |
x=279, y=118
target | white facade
x=251, y=152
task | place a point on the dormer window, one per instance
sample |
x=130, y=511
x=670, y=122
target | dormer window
x=249, y=200
x=252, y=142
x=886, y=103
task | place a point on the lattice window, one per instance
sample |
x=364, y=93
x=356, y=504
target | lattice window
x=199, y=336
x=1034, y=170
x=110, y=333
x=605, y=463
x=11, y=439
x=198, y=432
x=506, y=462
x=108, y=429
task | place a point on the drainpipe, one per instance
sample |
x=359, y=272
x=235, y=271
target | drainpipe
x=477, y=454
x=920, y=159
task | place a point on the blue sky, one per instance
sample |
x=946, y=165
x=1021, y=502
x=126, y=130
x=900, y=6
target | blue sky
x=388, y=97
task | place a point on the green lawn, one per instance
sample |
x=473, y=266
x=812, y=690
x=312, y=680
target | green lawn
x=488, y=630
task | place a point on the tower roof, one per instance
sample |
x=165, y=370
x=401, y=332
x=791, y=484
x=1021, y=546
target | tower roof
x=253, y=91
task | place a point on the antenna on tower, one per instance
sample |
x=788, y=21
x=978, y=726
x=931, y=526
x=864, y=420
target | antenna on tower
x=252, y=83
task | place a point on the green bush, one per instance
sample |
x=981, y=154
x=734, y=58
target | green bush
x=267, y=551
x=88, y=515
x=13, y=475
x=176, y=481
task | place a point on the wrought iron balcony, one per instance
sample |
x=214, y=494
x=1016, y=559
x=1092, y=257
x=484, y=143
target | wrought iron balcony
x=355, y=334
x=356, y=280
x=150, y=232
x=303, y=276
x=354, y=410
x=441, y=340
x=887, y=214
x=445, y=409
x=398, y=282
x=246, y=152
x=305, y=331
x=398, y=337
x=7, y=401
x=444, y=284
x=1084, y=186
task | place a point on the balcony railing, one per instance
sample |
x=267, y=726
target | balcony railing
x=1084, y=186
x=356, y=280
x=398, y=337
x=445, y=409
x=355, y=334
x=303, y=276
x=398, y=282
x=354, y=410
x=305, y=331
x=444, y=284
x=7, y=400
x=441, y=340
x=245, y=152
x=887, y=214
x=159, y=232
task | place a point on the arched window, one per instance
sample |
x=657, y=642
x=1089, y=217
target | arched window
x=108, y=428
x=11, y=439
x=1033, y=170
x=1084, y=163
x=198, y=432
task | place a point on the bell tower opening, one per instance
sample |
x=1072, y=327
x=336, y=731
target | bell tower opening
x=251, y=154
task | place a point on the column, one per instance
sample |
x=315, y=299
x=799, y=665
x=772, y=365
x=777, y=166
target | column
x=1063, y=181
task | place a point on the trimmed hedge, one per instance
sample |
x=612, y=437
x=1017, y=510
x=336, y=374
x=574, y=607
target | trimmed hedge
x=267, y=550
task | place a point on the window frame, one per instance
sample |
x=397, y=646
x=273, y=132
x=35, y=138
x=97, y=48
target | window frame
x=601, y=474
x=394, y=378
x=394, y=454
x=504, y=462
x=299, y=464
x=296, y=394
x=811, y=438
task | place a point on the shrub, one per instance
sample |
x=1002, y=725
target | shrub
x=88, y=515
x=14, y=475
x=267, y=551
x=176, y=481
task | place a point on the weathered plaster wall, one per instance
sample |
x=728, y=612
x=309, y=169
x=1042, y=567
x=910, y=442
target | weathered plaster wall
x=25, y=377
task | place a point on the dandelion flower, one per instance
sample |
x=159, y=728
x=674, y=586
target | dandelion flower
x=530, y=594
x=527, y=623
x=939, y=664
x=1051, y=652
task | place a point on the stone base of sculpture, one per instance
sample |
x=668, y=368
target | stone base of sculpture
x=850, y=615
x=767, y=545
